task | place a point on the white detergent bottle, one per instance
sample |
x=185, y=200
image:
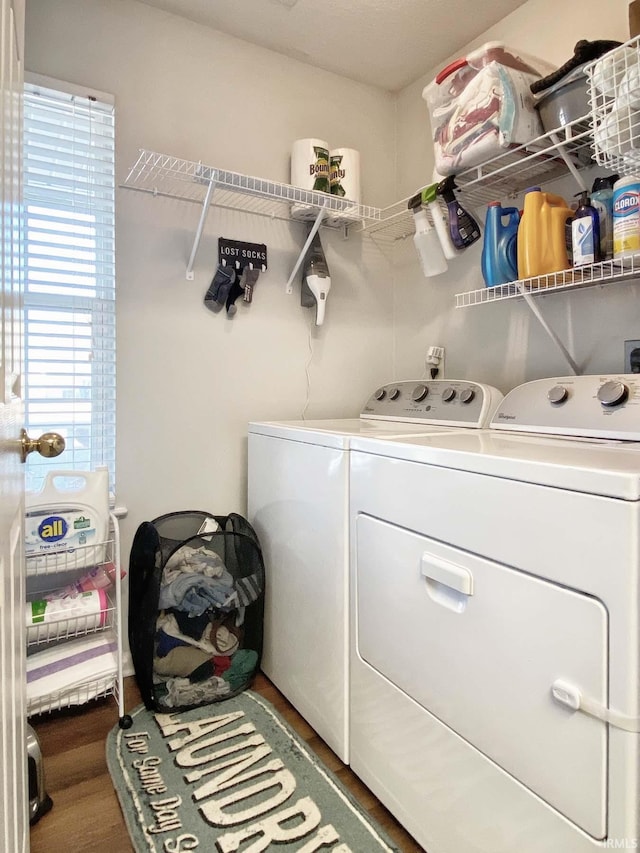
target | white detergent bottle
x=67, y=521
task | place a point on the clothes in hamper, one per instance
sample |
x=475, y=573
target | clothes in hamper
x=196, y=593
x=183, y=660
x=193, y=560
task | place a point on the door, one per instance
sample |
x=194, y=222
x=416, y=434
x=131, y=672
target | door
x=14, y=826
x=479, y=645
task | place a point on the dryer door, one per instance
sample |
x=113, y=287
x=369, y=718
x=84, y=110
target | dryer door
x=479, y=645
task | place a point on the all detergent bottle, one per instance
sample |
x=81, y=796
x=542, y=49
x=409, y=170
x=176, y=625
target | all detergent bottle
x=67, y=521
x=542, y=246
x=499, y=250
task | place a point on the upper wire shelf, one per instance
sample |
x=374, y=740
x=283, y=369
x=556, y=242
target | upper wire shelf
x=163, y=175
x=571, y=279
x=550, y=156
x=545, y=158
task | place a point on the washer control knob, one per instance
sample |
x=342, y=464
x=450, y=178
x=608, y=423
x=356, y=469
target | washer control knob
x=380, y=394
x=419, y=393
x=467, y=395
x=558, y=394
x=394, y=393
x=612, y=393
x=448, y=394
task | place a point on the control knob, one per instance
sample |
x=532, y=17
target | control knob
x=558, y=394
x=380, y=394
x=467, y=395
x=612, y=393
x=394, y=393
x=419, y=393
x=448, y=394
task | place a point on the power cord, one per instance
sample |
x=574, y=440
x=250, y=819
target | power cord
x=308, y=364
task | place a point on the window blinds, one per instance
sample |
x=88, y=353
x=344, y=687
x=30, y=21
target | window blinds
x=69, y=189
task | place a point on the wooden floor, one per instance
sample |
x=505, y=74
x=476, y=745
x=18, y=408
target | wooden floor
x=86, y=816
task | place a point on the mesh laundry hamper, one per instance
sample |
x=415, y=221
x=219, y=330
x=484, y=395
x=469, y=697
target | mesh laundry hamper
x=196, y=606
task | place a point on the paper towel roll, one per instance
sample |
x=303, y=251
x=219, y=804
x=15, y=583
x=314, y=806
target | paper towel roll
x=310, y=164
x=344, y=173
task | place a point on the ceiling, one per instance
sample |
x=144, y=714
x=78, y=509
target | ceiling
x=386, y=43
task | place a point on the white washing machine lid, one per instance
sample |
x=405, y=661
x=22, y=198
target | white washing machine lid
x=593, y=466
x=341, y=433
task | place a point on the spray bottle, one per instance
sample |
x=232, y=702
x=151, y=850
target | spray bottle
x=426, y=240
x=463, y=227
x=428, y=198
x=316, y=282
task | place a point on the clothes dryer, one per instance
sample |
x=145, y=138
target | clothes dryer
x=495, y=616
x=298, y=503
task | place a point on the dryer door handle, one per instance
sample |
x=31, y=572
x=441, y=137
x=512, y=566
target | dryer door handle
x=447, y=573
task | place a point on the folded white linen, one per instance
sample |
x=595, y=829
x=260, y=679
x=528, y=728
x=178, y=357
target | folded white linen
x=71, y=673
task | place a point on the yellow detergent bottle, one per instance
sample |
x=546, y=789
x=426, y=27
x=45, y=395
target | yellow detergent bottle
x=542, y=247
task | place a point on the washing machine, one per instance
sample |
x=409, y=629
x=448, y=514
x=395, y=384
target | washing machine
x=298, y=503
x=495, y=592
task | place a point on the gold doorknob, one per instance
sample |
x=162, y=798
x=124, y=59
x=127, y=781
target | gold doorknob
x=49, y=444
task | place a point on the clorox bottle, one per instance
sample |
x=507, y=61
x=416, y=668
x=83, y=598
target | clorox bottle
x=542, y=247
x=499, y=250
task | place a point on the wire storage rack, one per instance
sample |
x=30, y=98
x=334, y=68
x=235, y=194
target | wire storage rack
x=589, y=275
x=75, y=655
x=614, y=95
x=164, y=175
x=504, y=176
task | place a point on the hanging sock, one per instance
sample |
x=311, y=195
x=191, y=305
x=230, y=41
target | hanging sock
x=249, y=280
x=219, y=288
x=235, y=291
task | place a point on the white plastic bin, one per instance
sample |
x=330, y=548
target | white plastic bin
x=481, y=104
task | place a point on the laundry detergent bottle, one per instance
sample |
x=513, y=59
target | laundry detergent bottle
x=542, y=246
x=499, y=249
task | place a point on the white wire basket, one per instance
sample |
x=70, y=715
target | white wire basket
x=83, y=557
x=99, y=688
x=75, y=656
x=614, y=95
x=70, y=625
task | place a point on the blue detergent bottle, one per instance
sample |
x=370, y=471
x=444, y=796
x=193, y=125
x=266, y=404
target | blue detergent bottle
x=499, y=250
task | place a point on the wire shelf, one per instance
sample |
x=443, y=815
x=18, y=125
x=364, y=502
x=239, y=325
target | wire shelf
x=70, y=560
x=163, y=175
x=571, y=279
x=68, y=626
x=63, y=670
x=544, y=159
x=614, y=96
x=99, y=688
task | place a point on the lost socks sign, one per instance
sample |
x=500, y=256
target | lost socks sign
x=240, y=254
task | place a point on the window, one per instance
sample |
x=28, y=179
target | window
x=69, y=294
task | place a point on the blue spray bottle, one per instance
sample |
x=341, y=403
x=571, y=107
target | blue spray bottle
x=463, y=228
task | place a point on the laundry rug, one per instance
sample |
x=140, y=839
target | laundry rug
x=230, y=777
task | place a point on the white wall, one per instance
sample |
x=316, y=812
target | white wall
x=189, y=381
x=503, y=344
